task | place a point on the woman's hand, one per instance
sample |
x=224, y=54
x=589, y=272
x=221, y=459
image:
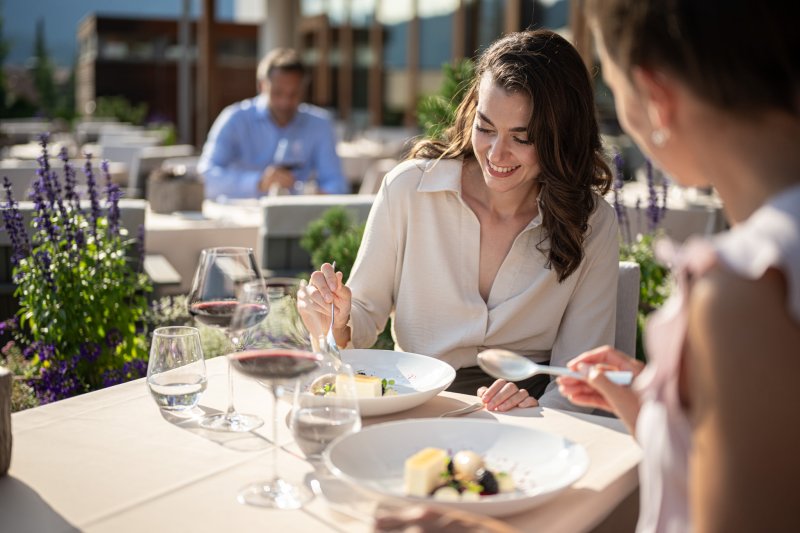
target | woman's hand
x=596, y=390
x=314, y=303
x=503, y=395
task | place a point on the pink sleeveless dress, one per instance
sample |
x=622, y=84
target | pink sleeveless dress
x=770, y=238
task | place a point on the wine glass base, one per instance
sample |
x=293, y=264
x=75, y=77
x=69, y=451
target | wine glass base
x=275, y=494
x=238, y=423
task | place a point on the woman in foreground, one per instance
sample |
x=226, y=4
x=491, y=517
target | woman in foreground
x=716, y=409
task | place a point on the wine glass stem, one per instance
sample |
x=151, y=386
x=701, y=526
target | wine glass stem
x=230, y=414
x=274, y=417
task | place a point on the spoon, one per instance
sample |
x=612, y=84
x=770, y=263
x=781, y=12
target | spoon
x=507, y=365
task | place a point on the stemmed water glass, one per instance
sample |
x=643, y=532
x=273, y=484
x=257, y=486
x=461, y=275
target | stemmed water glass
x=278, y=351
x=217, y=284
x=325, y=407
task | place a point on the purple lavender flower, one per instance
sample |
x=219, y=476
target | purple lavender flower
x=57, y=381
x=9, y=325
x=638, y=212
x=45, y=262
x=89, y=351
x=113, y=338
x=653, y=210
x=113, y=196
x=140, y=248
x=619, y=182
x=70, y=181
x=91, y=185
x=12, y=221
x=134, y=369
x=42, y=220
x=664, y=194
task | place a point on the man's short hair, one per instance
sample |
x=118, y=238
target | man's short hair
x=283, y=59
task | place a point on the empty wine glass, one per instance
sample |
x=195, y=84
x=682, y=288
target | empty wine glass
x=176, y=370
x=325, y=407
x=216, y=288
x=277, y=352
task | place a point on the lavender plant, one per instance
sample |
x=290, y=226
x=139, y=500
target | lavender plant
x=654, y=285
x=82, y=297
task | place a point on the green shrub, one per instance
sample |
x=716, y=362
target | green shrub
x=333, y=237
x=654, y=287
x=437, y=112
x=120, y=108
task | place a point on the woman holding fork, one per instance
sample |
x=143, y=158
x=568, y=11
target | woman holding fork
x=495, y=236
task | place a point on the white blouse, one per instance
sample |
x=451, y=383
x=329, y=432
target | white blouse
x=419, y=260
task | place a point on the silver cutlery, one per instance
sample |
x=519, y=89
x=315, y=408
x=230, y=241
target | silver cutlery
x=507, y=365
x=330, y=339
x=463, y=411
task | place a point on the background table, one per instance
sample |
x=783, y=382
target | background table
x=110, y=461
x=180, y=237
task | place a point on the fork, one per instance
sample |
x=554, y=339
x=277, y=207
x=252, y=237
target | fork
x=463, y=411
x=330, y=339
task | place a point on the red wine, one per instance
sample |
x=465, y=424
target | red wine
x=217, y=313
x=274, y=363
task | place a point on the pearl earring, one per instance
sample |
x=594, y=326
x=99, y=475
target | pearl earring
x=659, y=136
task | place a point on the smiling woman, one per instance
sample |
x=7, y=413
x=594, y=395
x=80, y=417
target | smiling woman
x=494, y=236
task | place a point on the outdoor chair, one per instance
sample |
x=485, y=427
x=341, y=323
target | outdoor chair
x=627, y=306
x=285, y=221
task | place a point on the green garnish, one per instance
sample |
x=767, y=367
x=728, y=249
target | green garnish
x=471, y=486
x=386, y=384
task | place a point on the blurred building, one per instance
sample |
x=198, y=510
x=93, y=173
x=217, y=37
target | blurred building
x=375, y=58
x=139, y=59
x=370, y=60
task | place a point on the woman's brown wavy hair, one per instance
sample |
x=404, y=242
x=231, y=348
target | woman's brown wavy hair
x=562, y=126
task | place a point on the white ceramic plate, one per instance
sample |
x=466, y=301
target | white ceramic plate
x=542, y=464
x=417, y=378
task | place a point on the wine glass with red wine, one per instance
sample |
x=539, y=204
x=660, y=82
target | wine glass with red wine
x=217, y=286
x=277, y=352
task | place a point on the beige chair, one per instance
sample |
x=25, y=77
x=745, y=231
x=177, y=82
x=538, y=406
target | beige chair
x=285, y=221
x=627, y=307
x=373, y=177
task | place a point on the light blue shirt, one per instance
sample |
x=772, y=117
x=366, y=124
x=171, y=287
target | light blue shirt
x=243, y=142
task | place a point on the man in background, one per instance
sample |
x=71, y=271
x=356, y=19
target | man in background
x=272, y=142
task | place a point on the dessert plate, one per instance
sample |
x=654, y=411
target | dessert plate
x=541, y=464
x=417, y=378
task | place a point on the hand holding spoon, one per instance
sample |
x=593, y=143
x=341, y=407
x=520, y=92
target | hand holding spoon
x=507, y=365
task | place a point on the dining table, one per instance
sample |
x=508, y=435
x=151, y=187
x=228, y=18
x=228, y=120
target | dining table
x=112, y=461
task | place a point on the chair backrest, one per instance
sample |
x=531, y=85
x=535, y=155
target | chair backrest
x=374, y=175
x=627, y=307
x=285, y=221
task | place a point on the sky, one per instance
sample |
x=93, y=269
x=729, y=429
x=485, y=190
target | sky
x=61, y=19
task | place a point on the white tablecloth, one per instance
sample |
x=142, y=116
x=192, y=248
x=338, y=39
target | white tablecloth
x=110, y=461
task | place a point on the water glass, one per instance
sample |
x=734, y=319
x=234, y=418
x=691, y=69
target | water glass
x=176, y=372
x=325, y=407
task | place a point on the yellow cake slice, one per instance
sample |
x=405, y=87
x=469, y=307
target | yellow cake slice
x=366, y=386
x=423, y=471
